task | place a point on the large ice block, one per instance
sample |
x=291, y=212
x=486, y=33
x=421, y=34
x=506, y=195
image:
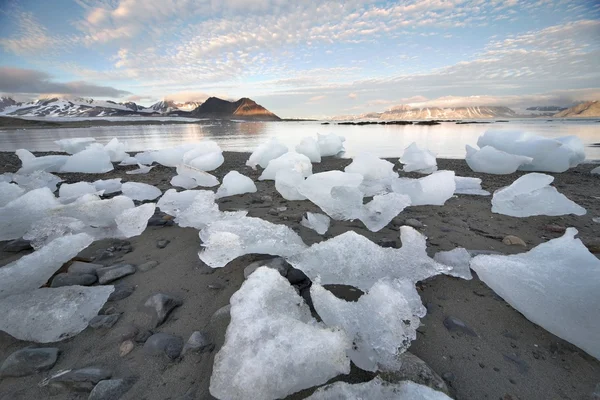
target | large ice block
x=266, y=152
x=140, y=191
x=287, y=182
x=419, y=160
x=310, y=148
x=318, y=188
x=109, y=186
x=434, y=189
x=74, y=145
x=133, y=221
x=37, y=180
x=9, y=192
x=531, y=195
x=490, y=160
x=377, y=389
x=202, y=178
x=93, y=211
x=31, y=163
x=467, y=185
x=202, y=210
x=317, y=222
x=289, y=161
x=142, y=169
x=459, y=259
x=330, y=144
x=273, y=346
x=555, y=285
x=377, y=213
x=92, y=160
x=204, y=156
x=174, y=202
x=185, y=182
x=47, y=229
x=116, y=150
x=371, y=167
x=74, y=190
x=235, y=183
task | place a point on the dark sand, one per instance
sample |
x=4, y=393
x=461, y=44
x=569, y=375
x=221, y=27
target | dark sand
x=477, y=367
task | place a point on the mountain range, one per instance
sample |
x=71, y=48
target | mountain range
x=213, y=108
x=583, y=110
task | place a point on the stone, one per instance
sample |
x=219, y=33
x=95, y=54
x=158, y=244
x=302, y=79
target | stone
x=164, y=344
x=66, y=279
x=80, y=267
x=266, y=199
x=276, y=263
x=521, y=365
x=142, y=336
x=512, y=240
x=126, y=347
x=456, y=325
x=122, y=291
x=127, y=332
x=162, y=243
x=147, y=266
x=414, y=369
x=29, y=361
x=448, y=376
x=104, y=321
x=158, y=306
x=79, y=380
x=110, y=389
x=414, y=223
x=114, y=272
x=17, y=245
x=555, y=228
x=198, y=343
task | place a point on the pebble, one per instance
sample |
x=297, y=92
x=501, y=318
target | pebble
x=276, y=263
x=391, y=243
x=80, y=267
x=126, y=347
x=114, y=272
x=147, y=266
x=593, y=246
x=29, y=361
x=164, y=344
x=296, y=276
x=127, y=332
x=17, y=245
x=448, y=376
x=512, y=240
x=110, y=389
x=266, y=199
x=68, y=279
x=199, y=343
x=159, y=306
x=414, y=223
x=142, y=336
x=79, y=380
x=162, y=243
x=555, y=228
x=104, y=321
x=122, y=291
x=456, y=325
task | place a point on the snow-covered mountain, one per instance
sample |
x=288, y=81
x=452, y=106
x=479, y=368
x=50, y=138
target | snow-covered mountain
x=404, y=112
x=76, y=107
x=169, y=106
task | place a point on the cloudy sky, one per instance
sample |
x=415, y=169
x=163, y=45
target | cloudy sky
x=304, y=58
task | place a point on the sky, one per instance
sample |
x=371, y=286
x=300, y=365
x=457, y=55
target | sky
x=304, y=58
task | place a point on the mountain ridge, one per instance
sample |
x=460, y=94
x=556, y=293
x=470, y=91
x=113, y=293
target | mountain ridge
x=588, y=109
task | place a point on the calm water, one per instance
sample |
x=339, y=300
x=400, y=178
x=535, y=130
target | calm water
x=448, y=140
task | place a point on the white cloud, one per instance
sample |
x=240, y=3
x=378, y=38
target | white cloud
x=352, y=96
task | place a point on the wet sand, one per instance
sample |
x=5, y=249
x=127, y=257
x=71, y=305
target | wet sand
x=510, y=358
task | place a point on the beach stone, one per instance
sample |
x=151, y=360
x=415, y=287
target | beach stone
x=103, y=255
x=147, y=266
x=122, y=291
x=29, y=361
x=162, y=243
x=555, y=228
x=67, y=279
x=198, y=343
x=79, y=380
x=273, y=211
x=17, y=245
x=158, y=306
x=104, y=321
x=218, y=325
x=127, y=248
x=522, y=366
x=164, y=344
x=390, y=243
x=266, y=199
x=593, y=245
x=448, y=376
x=157, y=220
x=126, y=347
x=110, y=389
x=416, y=370
x=142, y=336
x=114, y=272
x=512, y=240
x=276, y=263
x=454, y=324
x=415, y=223
x=84, y=268
x=296, y=276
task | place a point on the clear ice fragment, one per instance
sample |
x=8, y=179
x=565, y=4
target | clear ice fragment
x=235, y=183
x=317, y=222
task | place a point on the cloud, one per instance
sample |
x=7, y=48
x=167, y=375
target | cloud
x=352, y=96
x=315, y=99
x=182, y=97
x=32, y=82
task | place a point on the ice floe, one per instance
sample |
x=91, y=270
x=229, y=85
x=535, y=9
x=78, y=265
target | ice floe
x=377, y=389
x=266, y=152
x=310, y=148
x=434, y=189
x=92, y=160
x=377, y=173
x=116, y=150
x=37, y=180
x=490, y=160
x=140, y=191
x=30, y=163
x=419, y=160
x=318, y=189
x=287, y=182
x=288, y=161
x=173, y=202
x=235, y=183
x=330, y=144
x=74, y=145
x=467, y=185
x=317, y=222
x=201, y=211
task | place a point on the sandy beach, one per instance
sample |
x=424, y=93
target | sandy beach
x=509, y=358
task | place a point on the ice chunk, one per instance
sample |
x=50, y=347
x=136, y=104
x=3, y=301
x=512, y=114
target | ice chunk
x=317, y=222
x=6, y=177
x=116, y=150
x=93, y=211
x=74, y=145
x=33, y=270
x=419, y=160
x=493, y=161
x=595, y=171
x=140, y=191
x=173, y=202
x=266, y=152
x=37, y=180
x=273, y=347
x=330, y=145
x=17, y=216
x=169, y=157
x=235, y=183
x=133, y=221
x=289, y=161
x=93, y=160
x=74, y=190
x=531, y=195
x=204, y=156
x=142, y=169
x=227, y=239
x=318, y=188
x=109, y=186
x=202, y=178
x=371, y=167
x=310, y=148
x=377, y=213
x=434, y=189
x=185, y=182
x=287, y=182
x=202, y=211
x=31, y=163
x=53, y=227
x=51, y=314
x=377, y=389
x=555, y=285
x=467, y=185
x=129, y=161
x=9, y=192
x=459, y=259
x=199, y=149
x=352, y=259
x=378, y=337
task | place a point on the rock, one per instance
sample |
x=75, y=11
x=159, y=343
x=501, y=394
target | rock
x=273, y=211
x=147, y=266
x=110, y=389
x=593, y=246
x=84, y=268
x=448, y=376
x=68, y=279
x=555, y=228
x=29, y=361
x=199, y=343
x=296, y=276
x=17, y=245
x=157, y=220
x=512, y=240
x=414, y=223
x=456, y=325
x=121, y=292
x=79, y=380
x=126, y=332
x=277, y=263
x=159, y=306
x=104, y=255
x=162, y=243
x=142, y=336
x=126, y=347
x=164, y=344
x=391, y=243
x=104, y=321
x=266, y=199
x=416, y=370
x=114, y=272
x=218, y=325
x=522, y=366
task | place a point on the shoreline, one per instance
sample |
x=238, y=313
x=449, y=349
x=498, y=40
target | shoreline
x=509, y=358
